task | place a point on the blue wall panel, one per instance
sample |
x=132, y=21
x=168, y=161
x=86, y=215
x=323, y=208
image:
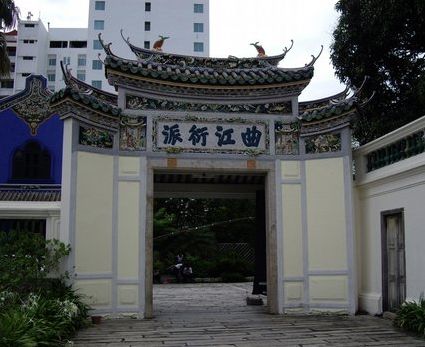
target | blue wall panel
x=14, y=133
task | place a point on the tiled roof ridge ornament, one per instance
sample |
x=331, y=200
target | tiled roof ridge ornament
x=106, y=46
x=260, y=50
x=314, y=58
x=157, y=45
x=66, y=72
x=154, y=55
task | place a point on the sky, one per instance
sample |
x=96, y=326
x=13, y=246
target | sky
x=234, y=24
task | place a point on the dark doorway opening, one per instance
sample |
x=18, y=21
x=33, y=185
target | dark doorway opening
x=393, y=260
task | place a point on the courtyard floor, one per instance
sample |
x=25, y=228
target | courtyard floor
x=217, y=315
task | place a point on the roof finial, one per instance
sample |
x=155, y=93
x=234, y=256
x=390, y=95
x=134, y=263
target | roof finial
x=314, y=59
x=286, y=50
x=126, y=40
x=106, y=47
x=157, y=45
x=260, y=50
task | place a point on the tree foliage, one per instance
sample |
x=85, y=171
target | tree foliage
x=193, y=227
x=384, y=40
x=9, y=14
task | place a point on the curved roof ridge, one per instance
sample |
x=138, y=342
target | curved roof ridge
x=172, y=65
x=336, y=107
x=338, y=96
x=89, y=100
x=86, y=88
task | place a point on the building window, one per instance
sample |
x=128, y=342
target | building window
x=148, y=6
x=82, y=60
x=12, y=67
x=52, y=60
x=99, y=24
x=96, y=65
x=198, y=8
x=81, y=75
x=11, y=51
x=58, y=44
x=30, y=41
x=66, y=60
x=51, y=76
x=29, y=25
x=198, y=46
x=26, y=74
x=198, y=27
x=97, y=44
x=147, y=44
x=31, y=162
x=26, y=57
x=147, y=26
x=8, y=84
x=77, y=44
x=37, y=226
x=97, y=84
x=99, y=5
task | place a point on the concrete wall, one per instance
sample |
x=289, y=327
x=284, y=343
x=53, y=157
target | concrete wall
x=106, y=231
x=316, y=247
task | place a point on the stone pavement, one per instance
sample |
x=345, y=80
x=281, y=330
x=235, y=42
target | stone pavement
x=217, y=315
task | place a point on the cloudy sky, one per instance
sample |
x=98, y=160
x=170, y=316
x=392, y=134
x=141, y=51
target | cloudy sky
x=236, y=23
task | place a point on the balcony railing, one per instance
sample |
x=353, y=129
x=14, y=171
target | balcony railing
x=397, y=146
x=405, y=148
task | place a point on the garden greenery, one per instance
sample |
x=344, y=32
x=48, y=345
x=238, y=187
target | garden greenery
x=411, y=316
x=37, y=307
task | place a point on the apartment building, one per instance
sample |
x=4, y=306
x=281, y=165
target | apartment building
x=38, y=49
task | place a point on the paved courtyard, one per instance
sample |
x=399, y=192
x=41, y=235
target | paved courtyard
x=217, y=315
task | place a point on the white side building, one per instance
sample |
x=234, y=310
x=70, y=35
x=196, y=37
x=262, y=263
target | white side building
x=39, y=50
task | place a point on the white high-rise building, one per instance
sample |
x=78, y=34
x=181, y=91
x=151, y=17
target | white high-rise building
x=39, y=50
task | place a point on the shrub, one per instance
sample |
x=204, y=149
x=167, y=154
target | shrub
x=36, y=309
x=232, y=264
x=36, y=320
x=27, y=259
x=411, y=316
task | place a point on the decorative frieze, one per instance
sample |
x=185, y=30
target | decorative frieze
x=94, y=137
x=132, y=133
x=323, y=143
x=140, y=103
x=32, y=104
x=287, y=138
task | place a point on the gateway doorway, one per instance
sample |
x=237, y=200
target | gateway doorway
x=208, y=228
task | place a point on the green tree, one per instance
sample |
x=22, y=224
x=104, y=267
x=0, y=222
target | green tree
x=9, y=14
x=384, y=40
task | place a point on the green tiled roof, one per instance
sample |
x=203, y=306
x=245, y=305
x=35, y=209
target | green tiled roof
x=330, y=110
x=209, y=76
x=85, y=99
x=82, y=87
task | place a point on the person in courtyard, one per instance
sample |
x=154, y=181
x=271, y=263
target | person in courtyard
x=187, y=273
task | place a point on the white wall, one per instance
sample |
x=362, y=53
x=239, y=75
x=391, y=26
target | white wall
x=397, y=186
x=38, y=49
x=66, y=34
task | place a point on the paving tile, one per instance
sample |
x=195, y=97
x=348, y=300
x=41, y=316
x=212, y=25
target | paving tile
x=217, y=315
